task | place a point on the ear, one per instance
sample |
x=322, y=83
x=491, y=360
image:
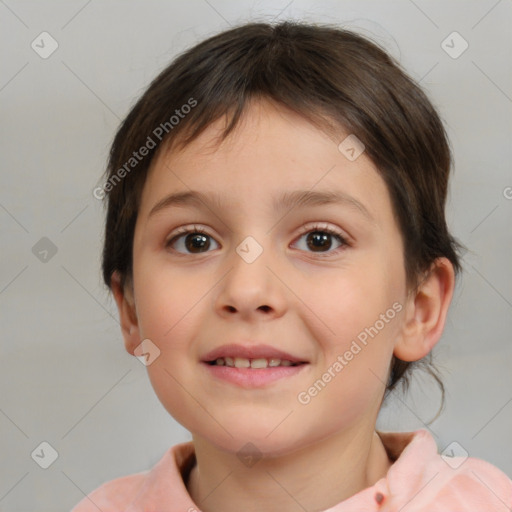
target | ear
x=127, y=313
x=425, y=312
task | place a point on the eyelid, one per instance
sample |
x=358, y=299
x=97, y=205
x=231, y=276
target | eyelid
x=183, y=230
x=328, y=228
x=312, y=226
x=322, y=226
x=194, y=228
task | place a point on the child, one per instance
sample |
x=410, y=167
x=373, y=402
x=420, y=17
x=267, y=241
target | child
x=277, y=248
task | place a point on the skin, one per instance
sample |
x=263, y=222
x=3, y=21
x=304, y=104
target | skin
x=316, y=303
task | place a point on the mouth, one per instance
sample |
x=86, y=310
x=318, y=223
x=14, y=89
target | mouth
x=250, y=356
x=257, y=373
x=252, y=366
x=258, y=363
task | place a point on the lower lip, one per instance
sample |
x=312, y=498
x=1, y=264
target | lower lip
x=253, y=378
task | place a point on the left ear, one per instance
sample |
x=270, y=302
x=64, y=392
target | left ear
x=425, y=312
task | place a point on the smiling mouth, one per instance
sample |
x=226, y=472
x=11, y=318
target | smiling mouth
x=259, y=363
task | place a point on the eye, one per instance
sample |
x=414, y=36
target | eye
x=190, y=241
x=318, y=239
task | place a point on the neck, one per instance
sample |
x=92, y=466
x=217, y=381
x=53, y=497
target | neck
x=313, y=478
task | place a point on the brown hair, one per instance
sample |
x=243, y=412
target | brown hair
x=333, y=78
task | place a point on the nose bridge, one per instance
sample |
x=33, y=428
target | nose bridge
x=250, y=286
x=250, y=272
x=250, y=249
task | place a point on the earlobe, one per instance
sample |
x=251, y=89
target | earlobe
x=425, y=312
x=127, y=313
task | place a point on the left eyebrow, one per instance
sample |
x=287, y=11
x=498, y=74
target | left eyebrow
x=287, y=200
x=290, y=200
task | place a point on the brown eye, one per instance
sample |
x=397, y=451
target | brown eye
x=197, y=242
x=191, y=242
x=320, y=240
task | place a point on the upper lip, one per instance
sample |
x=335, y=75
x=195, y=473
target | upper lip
x=250, y=352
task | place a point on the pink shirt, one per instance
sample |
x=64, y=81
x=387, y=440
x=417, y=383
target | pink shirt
x=419, y=480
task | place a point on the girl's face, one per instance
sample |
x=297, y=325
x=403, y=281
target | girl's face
x=307, y=293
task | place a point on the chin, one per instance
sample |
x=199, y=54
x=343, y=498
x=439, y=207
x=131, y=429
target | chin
x=255, y=442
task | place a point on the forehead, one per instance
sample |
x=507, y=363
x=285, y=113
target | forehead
x=272, y=155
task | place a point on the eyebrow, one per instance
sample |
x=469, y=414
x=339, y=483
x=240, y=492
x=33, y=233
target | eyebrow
x=287, y=200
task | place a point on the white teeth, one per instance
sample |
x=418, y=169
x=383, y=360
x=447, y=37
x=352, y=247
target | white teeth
x=259, y=363
x=242, y=362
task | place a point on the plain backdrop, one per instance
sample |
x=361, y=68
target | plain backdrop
x=64, y=374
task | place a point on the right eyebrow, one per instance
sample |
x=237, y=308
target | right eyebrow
x=192, y=197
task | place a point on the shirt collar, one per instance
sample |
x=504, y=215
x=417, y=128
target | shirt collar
x=419, y=477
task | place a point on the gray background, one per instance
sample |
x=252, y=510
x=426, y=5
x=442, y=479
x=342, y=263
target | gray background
x=65, y=377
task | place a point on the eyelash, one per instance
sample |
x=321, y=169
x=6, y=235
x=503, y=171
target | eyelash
x=308, y=229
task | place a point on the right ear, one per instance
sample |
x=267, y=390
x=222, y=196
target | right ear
x=127, y=313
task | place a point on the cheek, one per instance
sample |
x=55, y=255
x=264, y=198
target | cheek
x=360, y=320
x=168, y=309
x=165, y=300
x=358, y=327
x=353, y=301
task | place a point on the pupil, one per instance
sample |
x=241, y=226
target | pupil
x=319, y=239
x=195, y=241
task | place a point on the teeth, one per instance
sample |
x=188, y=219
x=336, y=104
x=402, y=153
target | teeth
x=259, y=363
x=242, y=362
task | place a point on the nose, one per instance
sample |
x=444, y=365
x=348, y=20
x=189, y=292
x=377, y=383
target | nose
x=250, y=290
